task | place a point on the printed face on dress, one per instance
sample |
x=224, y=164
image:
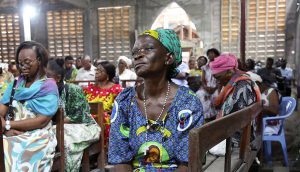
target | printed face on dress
x=28, y=63
x=101, y=74
x=149, y=56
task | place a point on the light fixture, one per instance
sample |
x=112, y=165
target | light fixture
x=29, y=10
x=28, y=13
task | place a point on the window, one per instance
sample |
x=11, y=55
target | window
x=9, y=36
x=65, y=33
x=265, y=24
x=230, y=29
x=114, y=32
x=171, y=17
x=265, y=29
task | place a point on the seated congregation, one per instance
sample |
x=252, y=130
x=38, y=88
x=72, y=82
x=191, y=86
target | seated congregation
x=152, y=125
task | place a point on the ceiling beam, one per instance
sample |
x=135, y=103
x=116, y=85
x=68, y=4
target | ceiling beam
x=77, y=3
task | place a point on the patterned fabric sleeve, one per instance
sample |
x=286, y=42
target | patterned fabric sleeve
x=119, y=151
x=243, y=96
x=188, y=119
x=77, y=107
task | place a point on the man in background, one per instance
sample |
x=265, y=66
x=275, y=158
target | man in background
x=270, y=74
x=87, y=72
x=287, y=74
x=71, y=71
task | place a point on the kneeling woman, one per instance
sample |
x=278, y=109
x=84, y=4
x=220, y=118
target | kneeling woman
x=26, y=110
x=80, y=128
x=150, y=123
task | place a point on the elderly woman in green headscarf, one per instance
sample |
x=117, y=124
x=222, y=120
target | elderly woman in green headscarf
x=150, y=123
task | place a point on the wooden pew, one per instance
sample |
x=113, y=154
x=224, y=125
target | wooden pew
x=2, y=163
x=98, y=146
x=59, y=158
x=203, y=138
x=82, y=81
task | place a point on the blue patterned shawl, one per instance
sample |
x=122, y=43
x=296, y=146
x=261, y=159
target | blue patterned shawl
x=41, y=96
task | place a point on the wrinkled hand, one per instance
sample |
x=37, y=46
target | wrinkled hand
x=13, y=132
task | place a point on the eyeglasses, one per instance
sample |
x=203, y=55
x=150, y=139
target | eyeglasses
x=26, y=63
x=142, y=50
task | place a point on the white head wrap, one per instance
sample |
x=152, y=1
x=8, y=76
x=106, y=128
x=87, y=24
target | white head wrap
x=125, y=59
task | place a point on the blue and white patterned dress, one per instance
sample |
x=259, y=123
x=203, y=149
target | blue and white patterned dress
x=32, y=150
x=157, y=149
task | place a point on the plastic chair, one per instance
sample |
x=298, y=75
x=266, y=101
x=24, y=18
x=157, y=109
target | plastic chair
x=287, y=107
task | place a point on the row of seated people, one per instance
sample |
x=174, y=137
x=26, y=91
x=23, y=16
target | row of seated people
x=26, y=113
x=84, y=70
x=143, y=136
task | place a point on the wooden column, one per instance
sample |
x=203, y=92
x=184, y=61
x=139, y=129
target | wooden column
x=90, y=31
x=181, y=35
x=190, y=32
x=243, y=32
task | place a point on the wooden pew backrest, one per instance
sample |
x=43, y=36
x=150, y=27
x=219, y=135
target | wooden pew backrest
x=59, y=161
x=203, y=138
x=82, y=81
x=97, y=147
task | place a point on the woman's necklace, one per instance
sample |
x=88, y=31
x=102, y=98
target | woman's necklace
x=155, y=123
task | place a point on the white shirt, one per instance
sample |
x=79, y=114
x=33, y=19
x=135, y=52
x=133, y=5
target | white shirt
x=128, y=75
x=287, y=73
x=85, y=75
x=183, y=68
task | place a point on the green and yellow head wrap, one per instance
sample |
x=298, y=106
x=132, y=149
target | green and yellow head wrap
x=171, y=42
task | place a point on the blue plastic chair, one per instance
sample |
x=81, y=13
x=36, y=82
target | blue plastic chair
x=287, y=107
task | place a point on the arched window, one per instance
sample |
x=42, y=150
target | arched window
x=172, y=16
